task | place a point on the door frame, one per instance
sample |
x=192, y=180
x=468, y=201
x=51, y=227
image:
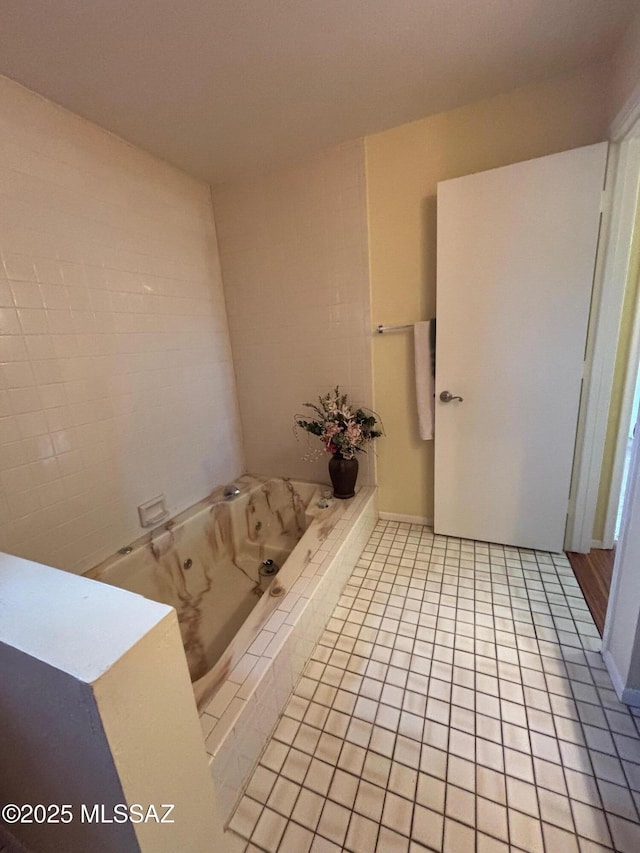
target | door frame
x=620, y=198
x=628, y=392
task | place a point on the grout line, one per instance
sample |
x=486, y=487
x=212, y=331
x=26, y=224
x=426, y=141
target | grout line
x=377, y=608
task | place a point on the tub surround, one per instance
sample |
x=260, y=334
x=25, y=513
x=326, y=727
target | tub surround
x=135, y=660
x=243, y=672
x=205, y=561
x=321, y=521
x=247, y=705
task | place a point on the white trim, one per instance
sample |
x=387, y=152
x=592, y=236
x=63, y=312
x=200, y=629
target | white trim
x=612, y=267
x=624, y=128
x=603, y=328
x=631, y=696
x=619, y=558
x=627, y=695
x=623, y=124
x=631, y=374
x=621, y=555
x=606, y=303
x=614, y=675
x=406, y=519
x=622, y=437
x=596, y=543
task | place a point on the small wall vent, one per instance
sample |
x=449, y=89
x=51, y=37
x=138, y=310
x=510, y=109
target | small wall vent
x=153, y=511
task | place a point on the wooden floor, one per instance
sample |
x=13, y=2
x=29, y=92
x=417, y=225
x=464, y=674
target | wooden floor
x=593, y=572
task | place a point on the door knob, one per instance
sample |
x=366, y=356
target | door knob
x=447, y=397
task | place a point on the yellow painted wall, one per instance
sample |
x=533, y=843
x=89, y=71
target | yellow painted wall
x=404, y=165
x=629, y=309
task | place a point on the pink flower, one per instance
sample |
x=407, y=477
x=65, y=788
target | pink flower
x=353, y=433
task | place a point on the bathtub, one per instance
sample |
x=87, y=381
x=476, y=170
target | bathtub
x=205, y=563
x=247, y=640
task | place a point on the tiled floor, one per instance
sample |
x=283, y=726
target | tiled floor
x=457, y=701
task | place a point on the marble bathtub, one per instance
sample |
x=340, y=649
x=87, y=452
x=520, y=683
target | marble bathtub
x=247, y=643
x=205, y=562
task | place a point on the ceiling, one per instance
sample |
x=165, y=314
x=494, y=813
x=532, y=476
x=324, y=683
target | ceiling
x=222, y=87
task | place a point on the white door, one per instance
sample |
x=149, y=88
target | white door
x=516, y=254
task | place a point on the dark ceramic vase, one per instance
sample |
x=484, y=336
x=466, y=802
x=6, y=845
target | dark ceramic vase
x=343, y=473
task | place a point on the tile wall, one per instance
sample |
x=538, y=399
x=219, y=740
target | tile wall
x=116, y=380
x=294, y=255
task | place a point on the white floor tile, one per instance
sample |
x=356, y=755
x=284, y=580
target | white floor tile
x=269, y=830
x=362, y=834
x=334, y=822
x=352, y=758
x=488, y=844
x=626, y=835
x=245, y=817
x=323, y=845
x=555, y=809
x=428, y=827
x=296, y=839
x=456, y=702
x=559, y=839
x=308, y=809
x=397, y=813
x=492, y=818
x=376, y=769
x=261, y=784
x=283, y=796
x=403, y=780
x=460, y=805
x=522, y=796
x=344, y=788
x=370, y=801
x=319, y=776
x=391, y=841
x=590, y=823
x=458, y=838
x=525, y=832
x=295, y=766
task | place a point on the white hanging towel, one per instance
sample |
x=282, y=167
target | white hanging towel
x=424, y=343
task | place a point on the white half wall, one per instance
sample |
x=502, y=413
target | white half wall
x=96, y=708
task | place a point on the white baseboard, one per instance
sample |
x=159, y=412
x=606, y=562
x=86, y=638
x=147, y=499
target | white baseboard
x=602, y=544
x=614, y=675
x=406, y=519
x=631, y=696
x=627, y=695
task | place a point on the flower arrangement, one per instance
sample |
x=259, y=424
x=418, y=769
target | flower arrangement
x=343, y=431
